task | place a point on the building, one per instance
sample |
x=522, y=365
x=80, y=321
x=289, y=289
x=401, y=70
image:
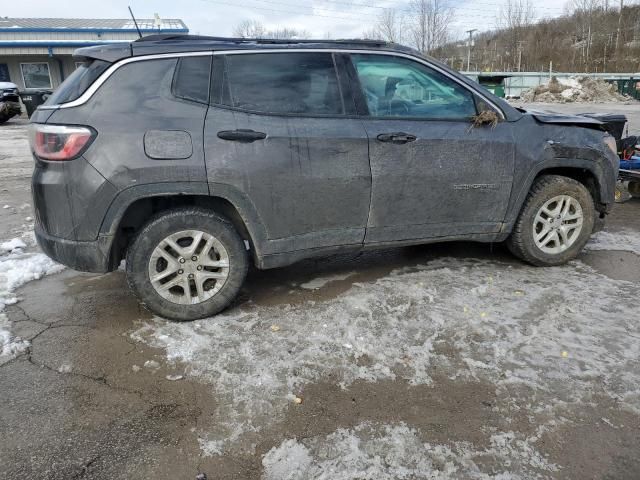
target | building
x=35, y=53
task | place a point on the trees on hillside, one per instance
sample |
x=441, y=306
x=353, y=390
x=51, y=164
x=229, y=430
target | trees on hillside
x=591, y=36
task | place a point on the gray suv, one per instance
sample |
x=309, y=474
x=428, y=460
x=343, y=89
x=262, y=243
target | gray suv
x=193, y=156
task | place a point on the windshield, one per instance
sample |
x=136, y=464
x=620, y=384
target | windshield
x=78, y=82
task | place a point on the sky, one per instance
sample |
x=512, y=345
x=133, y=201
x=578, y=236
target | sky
x=335, y=18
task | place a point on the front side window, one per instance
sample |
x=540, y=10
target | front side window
x=36, y=75
x=283, y=83
x=400, y=87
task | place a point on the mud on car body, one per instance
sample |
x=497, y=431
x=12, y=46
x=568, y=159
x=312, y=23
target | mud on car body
x=191, y=156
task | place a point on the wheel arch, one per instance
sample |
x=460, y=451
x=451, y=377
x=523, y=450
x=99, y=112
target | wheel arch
x=590, y=173
x=134, y=206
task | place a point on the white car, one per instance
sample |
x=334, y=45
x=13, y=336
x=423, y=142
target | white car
x=9, y=101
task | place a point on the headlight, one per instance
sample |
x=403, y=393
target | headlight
x=611, y=143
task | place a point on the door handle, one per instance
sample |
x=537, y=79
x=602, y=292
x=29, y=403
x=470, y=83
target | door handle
x=397, y=138
x=242, y=135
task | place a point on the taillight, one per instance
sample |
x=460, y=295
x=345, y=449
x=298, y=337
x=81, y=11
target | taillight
x=59, y=142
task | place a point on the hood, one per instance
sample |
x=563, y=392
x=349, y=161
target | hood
x=608, y=122
x=4, y=85
x=565, y=119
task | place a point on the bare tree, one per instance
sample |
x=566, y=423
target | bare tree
x=584, y=13
x=287, y=33
x=249, y=29
x=430, y=25
x=255, y=29
x=514, y=17
x=515, y=14
x=390, y=26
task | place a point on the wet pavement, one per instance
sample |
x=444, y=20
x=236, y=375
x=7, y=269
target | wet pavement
x=440, y=361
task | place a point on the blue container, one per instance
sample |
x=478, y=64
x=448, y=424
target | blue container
x=632, y=164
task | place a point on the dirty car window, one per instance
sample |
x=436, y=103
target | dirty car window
x=78, y=82
x=399, y=87
x=191, y=80
x=284, y=83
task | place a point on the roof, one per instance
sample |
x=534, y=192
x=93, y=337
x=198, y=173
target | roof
x=88, y=24
x=158, y=44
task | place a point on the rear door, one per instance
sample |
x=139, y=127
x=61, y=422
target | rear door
x=280, y=133
x=433, y=173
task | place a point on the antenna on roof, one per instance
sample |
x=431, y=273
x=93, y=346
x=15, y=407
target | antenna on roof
x=134, y=22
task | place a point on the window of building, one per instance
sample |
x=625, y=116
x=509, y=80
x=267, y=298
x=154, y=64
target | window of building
x=191, y=79
x=4, y=73
x=36, y=75
x=284, y=83
x=400, y=87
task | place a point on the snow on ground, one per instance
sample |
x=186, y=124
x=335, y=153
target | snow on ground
x=18, y=267
x=556, y=330
x=320, y=282
x=391, y=452
x=625, y=240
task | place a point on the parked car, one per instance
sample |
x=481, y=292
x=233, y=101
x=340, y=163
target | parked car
x=193, y=156
x=9, y=101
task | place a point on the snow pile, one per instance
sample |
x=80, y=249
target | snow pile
x=389, y=452
x=18, y=267
x=574, y=89
x=556, y=330
x=10, y=346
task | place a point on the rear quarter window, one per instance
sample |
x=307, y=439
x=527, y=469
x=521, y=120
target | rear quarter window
x=78, y=82
x=191, y=79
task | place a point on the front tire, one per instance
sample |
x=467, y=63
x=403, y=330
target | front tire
x=555, y=222
x=186, y=264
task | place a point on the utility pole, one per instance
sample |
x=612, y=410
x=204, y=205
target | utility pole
x=470, y=32
x=617, y=53
x=520, y=42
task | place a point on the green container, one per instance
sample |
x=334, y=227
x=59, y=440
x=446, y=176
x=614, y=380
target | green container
x=628, y=86
x=496, y=88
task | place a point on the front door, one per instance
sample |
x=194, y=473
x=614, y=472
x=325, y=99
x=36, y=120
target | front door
x=434, y=174
x=278, y=132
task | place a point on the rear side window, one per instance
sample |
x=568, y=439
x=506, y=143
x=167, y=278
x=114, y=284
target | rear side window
x=78, y=82
x=191, y=80
x=283, y=83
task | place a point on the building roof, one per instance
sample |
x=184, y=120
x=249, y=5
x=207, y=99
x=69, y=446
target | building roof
x=89, y=24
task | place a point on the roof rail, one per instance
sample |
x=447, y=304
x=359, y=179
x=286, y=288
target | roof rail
x=275, y=41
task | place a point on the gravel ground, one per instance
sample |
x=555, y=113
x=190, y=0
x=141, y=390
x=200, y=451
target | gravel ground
x=451, y=361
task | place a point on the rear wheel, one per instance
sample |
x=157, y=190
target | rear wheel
x=186, y=264
x=555, y=223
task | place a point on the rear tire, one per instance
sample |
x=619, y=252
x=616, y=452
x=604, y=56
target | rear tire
x=546, y=232
x=187, y=263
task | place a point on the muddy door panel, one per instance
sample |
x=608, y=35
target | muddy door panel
x=308, y=179
x=445, y=179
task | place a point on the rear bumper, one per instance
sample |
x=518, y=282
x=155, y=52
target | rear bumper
x=93, y=256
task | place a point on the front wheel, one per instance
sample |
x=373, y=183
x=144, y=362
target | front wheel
x=555, y=223
x=186, y=264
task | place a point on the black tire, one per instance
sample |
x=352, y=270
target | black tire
x=173, y=221
x=521, y=242
x=4, y=118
